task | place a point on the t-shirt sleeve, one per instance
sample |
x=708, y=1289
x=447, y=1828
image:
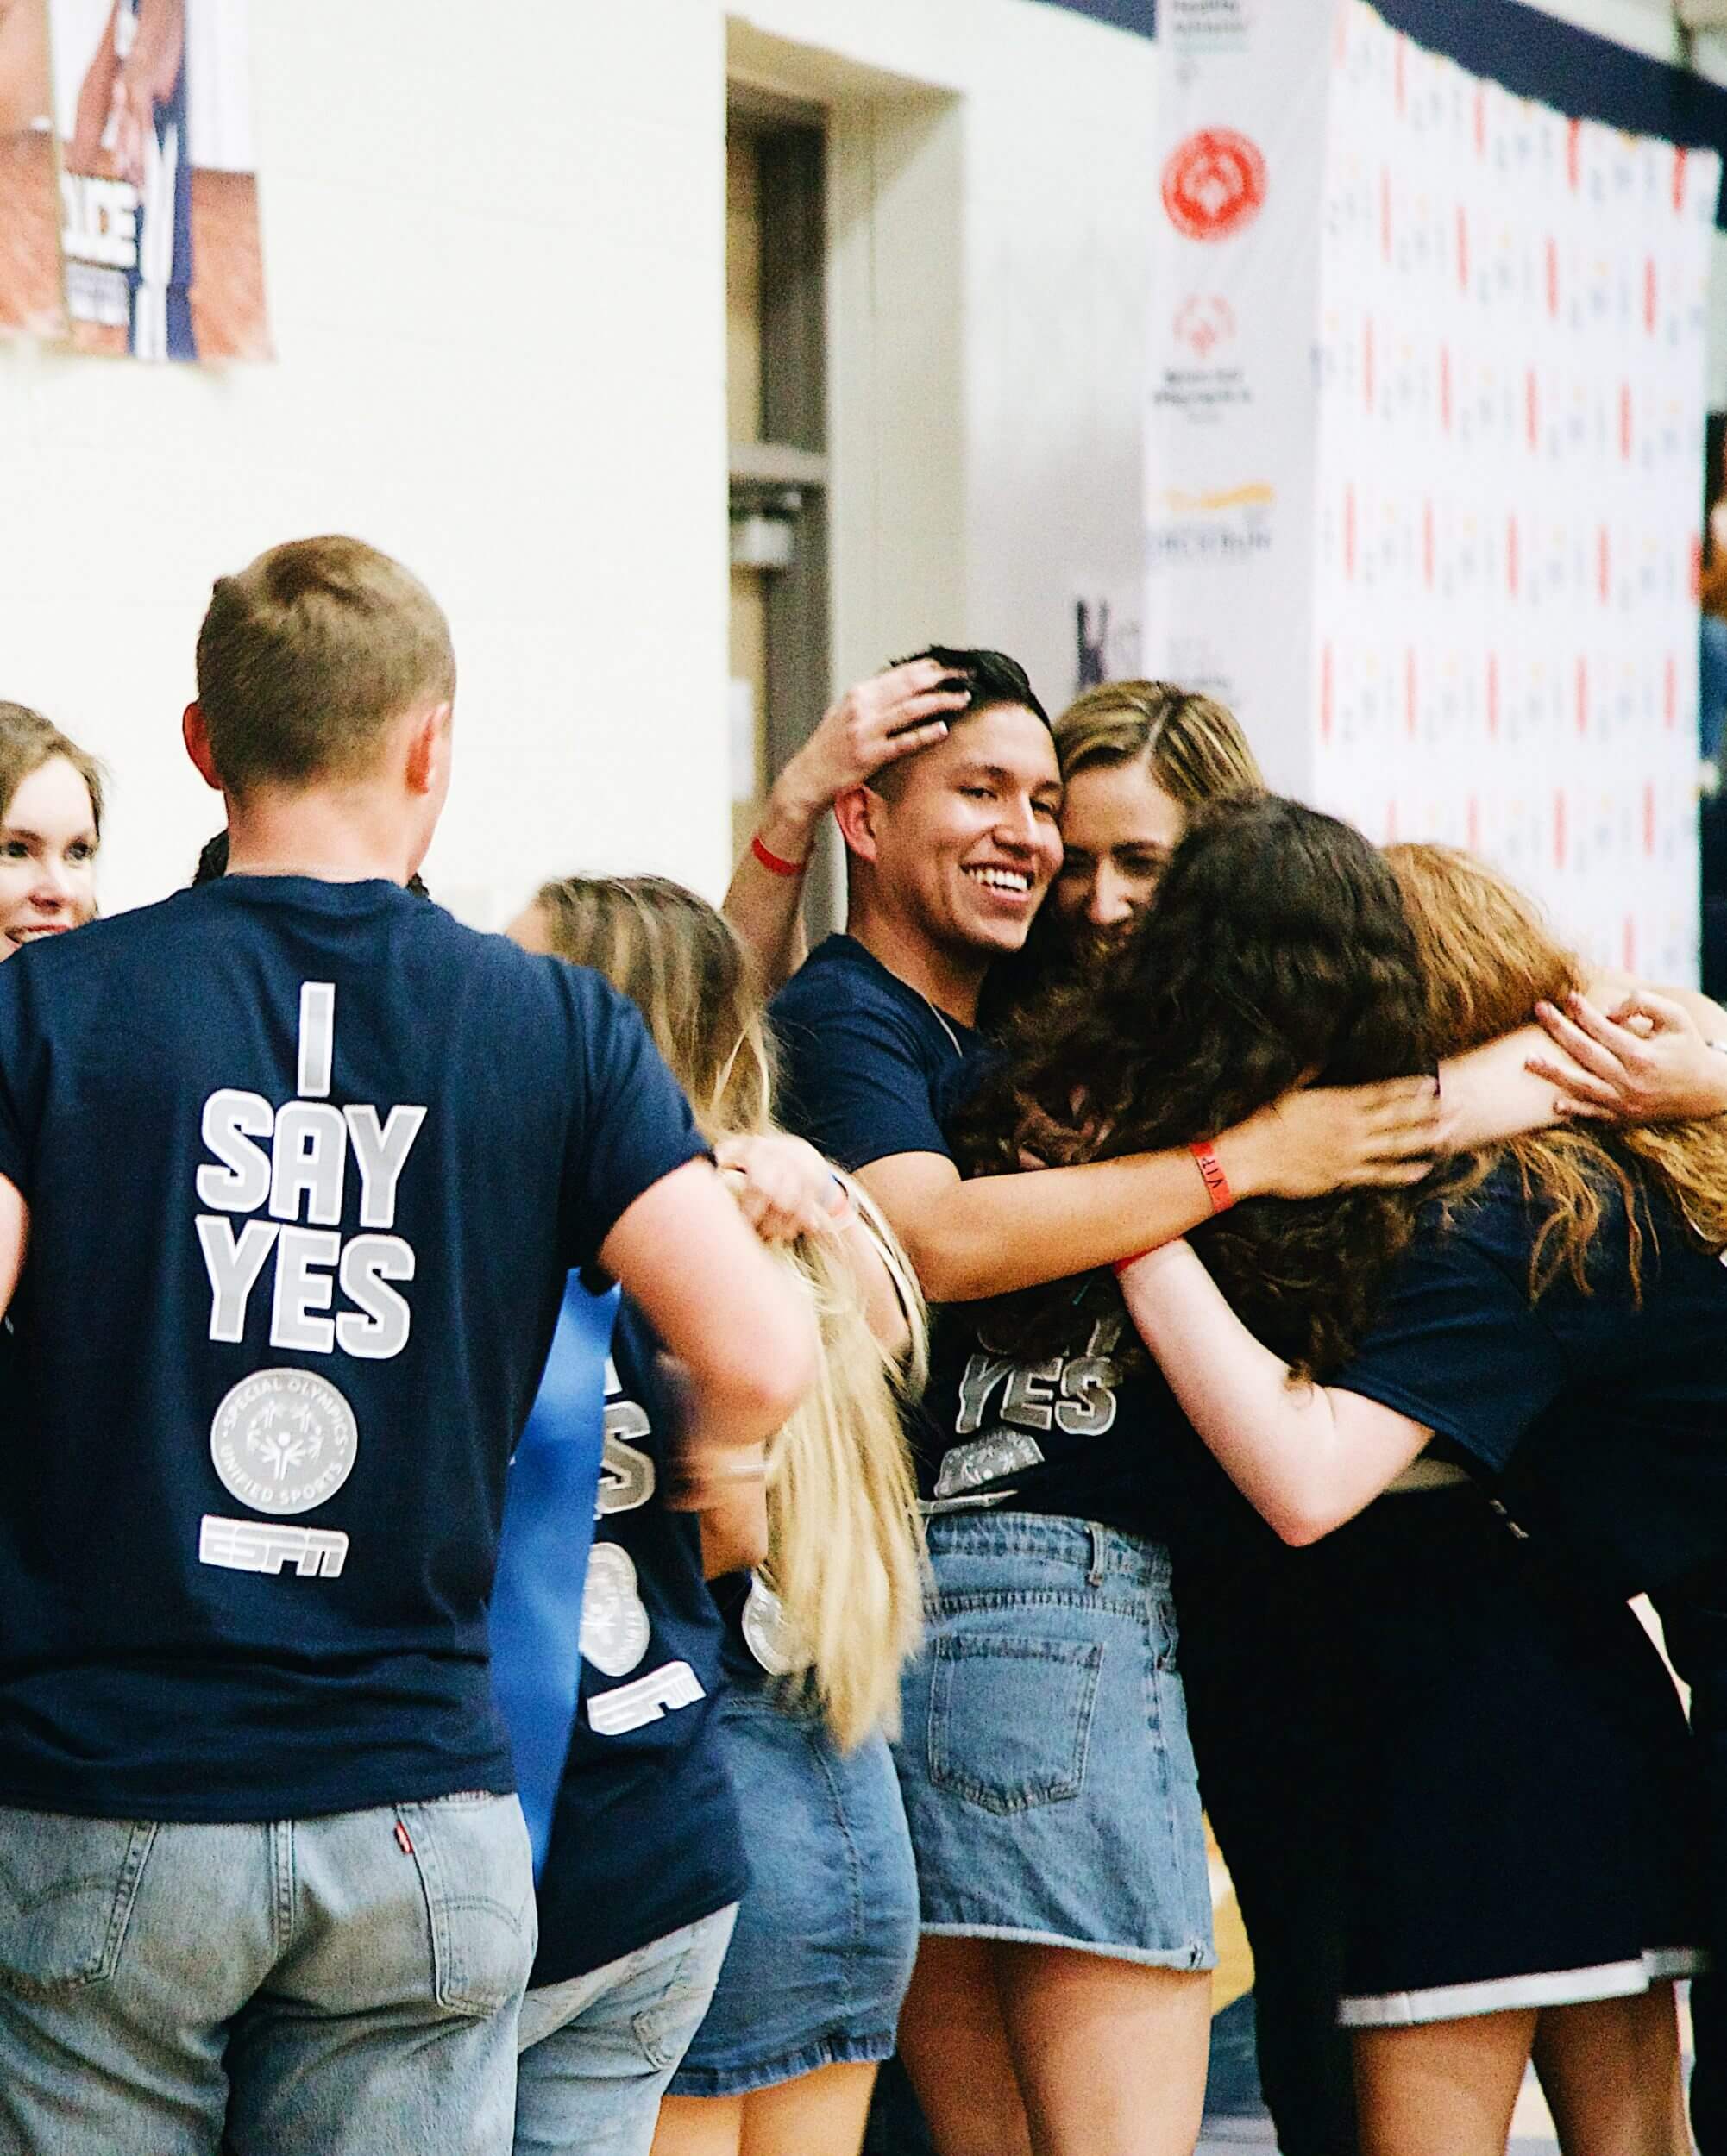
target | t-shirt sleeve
x=1458, y=1346
x=631, y=1125
x=855, y=1084
x=18, y=1057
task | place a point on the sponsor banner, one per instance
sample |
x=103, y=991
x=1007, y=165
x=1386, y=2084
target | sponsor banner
x=1527, y=50
x=1512, y=316
x=1425, y=435
x=1231, y=417
x=129, y=210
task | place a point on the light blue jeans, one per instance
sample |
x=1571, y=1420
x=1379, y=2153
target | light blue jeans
x=347, y=1985
x=597, y=2051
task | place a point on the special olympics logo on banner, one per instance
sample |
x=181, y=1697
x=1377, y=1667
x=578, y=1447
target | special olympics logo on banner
x=1213, y=184
x=1203, y=322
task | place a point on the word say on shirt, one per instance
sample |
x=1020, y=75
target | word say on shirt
x=1072, y=1393
x=304, y=1174
x=284, y=1441
x=617, y=1631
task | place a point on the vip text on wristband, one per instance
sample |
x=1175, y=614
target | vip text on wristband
x=1211, y=1173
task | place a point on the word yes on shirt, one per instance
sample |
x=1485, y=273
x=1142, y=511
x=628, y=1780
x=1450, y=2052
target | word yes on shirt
x=290, y=1165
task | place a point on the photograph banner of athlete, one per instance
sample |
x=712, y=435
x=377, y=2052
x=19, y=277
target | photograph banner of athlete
x=129, y=202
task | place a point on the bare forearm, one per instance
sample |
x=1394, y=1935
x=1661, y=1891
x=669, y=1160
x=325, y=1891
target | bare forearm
x=1283, y=1446
x=739, y=1323
x=765, y=908
x=999, y=1233
x=1490, y=1095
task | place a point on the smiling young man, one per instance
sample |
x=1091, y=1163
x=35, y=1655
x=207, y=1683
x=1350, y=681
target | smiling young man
x=950, y=852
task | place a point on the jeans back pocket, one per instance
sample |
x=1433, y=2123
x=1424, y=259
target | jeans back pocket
x=477, y=1872
x=1010, y=1717
x=66, y=1890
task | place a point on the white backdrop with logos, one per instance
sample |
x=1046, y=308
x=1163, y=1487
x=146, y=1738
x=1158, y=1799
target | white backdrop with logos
x=1487, y=569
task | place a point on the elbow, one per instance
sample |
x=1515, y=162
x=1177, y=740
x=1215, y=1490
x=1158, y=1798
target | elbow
x=1302, y=1521
x=945, y=1274
x=893, y=1333
x=785, y=1362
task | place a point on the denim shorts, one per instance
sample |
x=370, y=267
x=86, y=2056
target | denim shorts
x=1043, y=1756
x=828, y=1926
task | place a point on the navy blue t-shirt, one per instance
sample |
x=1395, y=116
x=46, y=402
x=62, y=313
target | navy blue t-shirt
x=645, y=1834
x=868, y=1067
x=307, y=1164
x=1603, y=1421
x=1077, y=1433
x=1089, y=1431
x=871, y=1069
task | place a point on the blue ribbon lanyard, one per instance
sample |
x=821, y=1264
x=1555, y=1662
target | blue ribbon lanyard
x=549, y=1508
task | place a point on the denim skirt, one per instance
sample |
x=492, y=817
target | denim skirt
x=1043, y=1755
x=827, y=1929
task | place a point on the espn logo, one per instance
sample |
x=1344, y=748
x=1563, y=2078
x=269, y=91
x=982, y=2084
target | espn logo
x=269, y=1546
x=634, y=1706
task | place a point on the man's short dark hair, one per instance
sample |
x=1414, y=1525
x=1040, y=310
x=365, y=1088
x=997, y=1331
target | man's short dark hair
x=991, y=680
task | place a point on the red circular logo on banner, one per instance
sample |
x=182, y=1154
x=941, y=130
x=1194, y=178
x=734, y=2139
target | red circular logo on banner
x=1213, y=184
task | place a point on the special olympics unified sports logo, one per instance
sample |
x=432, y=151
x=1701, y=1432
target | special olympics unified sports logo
x=283, y=1441
x=1213, y=184
x=616, y=1629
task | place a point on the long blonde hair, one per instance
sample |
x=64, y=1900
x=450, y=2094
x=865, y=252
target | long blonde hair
x=1489, y=958
x=846, y=1551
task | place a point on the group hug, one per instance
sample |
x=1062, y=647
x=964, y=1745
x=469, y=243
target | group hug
x=610, y=1526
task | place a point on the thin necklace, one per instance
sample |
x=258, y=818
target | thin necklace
x=941, y=1020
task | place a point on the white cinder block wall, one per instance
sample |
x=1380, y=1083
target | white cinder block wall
x=494, y=261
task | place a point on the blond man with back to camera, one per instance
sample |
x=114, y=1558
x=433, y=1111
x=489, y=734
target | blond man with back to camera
x=292, y=1169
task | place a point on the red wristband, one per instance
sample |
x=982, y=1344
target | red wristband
x=1211, y=1173
x=772, y=863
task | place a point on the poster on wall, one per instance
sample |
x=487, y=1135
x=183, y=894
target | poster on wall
x=127, y=125
x=30, y=295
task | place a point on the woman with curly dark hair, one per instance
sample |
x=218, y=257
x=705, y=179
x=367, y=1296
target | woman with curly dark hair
x=1516, y=1796
x=1044, y=1722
